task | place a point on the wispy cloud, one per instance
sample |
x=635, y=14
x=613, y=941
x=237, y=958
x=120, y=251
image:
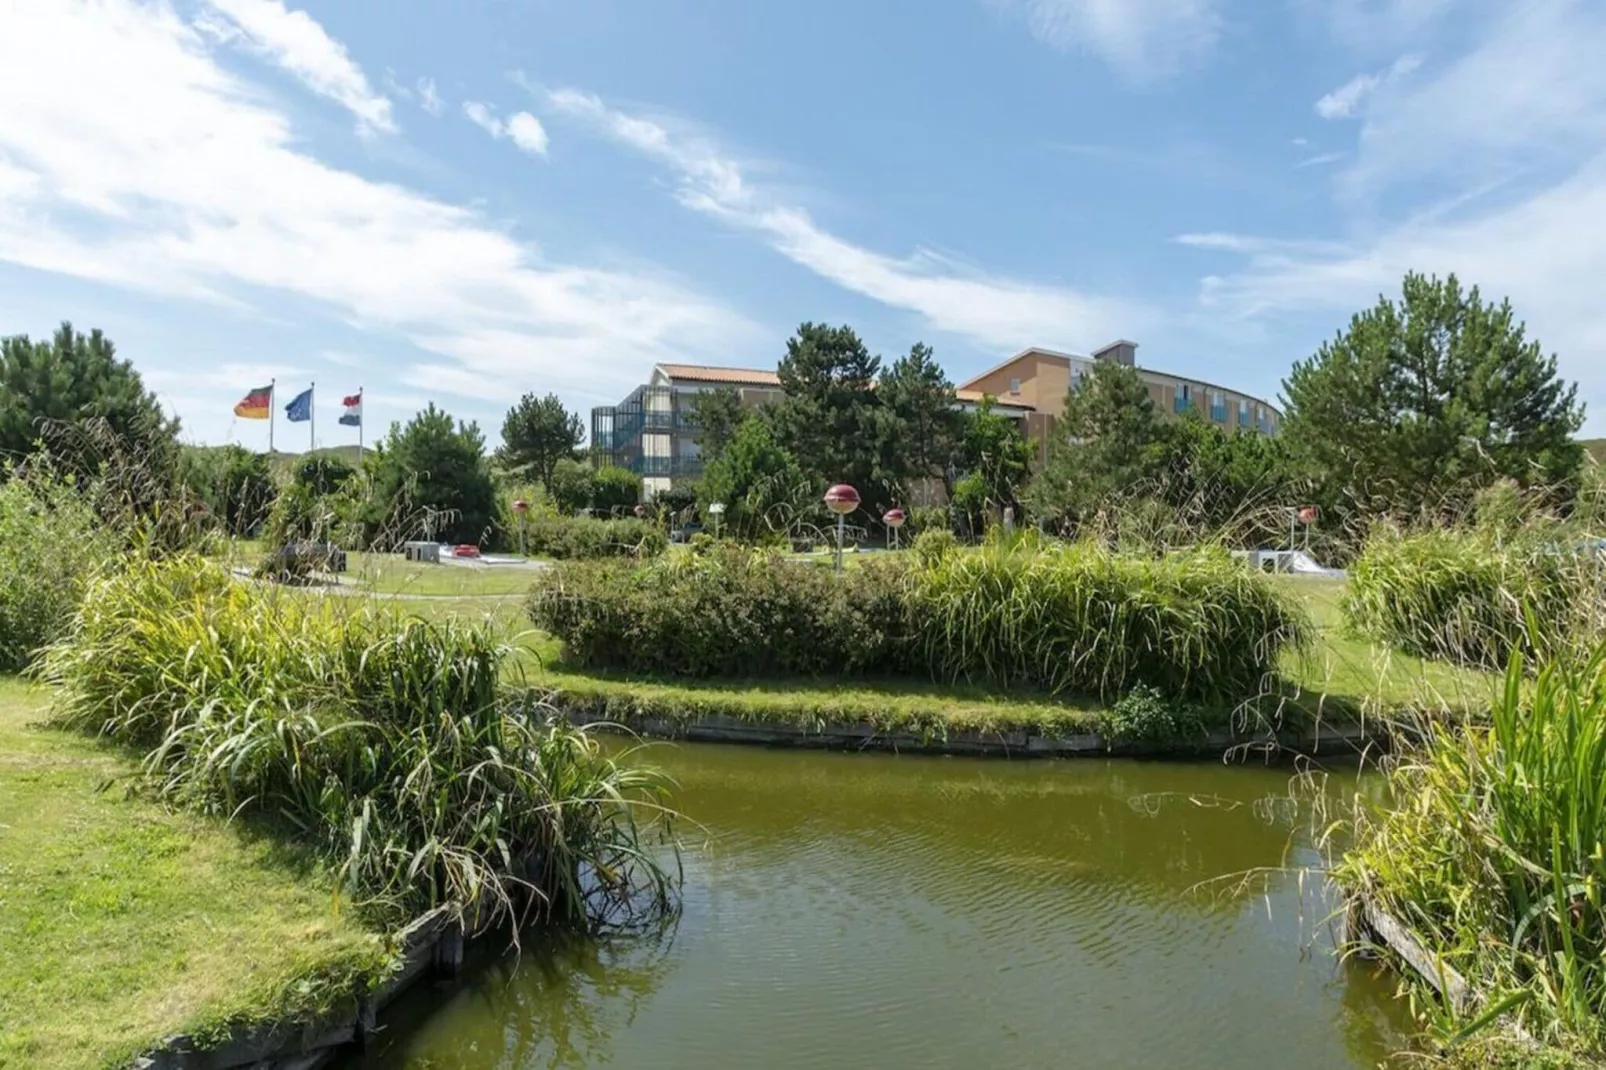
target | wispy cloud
x=429, y=97
x=159, y=170
x=522, y=128
x=1143, y=40
x=1349, y=98
x=997, y=312
x=1321, y=159
x=1377, y=26
x=296, y=42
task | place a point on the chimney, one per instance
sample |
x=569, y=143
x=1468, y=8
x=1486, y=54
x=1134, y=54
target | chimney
x=1121, y=351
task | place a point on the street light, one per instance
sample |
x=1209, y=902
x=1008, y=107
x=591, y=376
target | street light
x=841, y=500
x=716, y=510
x=894, y=520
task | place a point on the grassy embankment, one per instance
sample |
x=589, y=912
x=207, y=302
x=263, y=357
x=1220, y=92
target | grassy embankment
x=1336, y=677
x=125, y=922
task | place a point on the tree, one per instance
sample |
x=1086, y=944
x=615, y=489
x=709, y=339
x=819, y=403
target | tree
x=432, y=474
x=1432, y=397
x=829, y=418
x=1235, y=485
x=74, y=379
x=922, y=429
x=614, y=488
x=235, y=484
x=537, y=434
x=1103, y=445
x=996, y=458
x=321, y=473
x=759, y=481
x=716, y=413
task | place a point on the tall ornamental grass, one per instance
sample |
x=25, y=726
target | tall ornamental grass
x=1473, y=596
x=1495, y=854
x=1193, y=624
x=382, y=741
x=1080, y=619
x=51, y=544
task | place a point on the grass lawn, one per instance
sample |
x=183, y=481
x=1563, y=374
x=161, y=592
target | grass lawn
x=1336, y=676
x=394, y=574
x=122, y=923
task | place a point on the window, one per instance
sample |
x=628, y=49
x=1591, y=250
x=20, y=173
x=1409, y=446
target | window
x=1243, y=414
x=1218, y=406
x=1014, y=386
x=1184, y=398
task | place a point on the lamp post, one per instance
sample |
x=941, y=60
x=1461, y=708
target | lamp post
x=716, y=510
x=894, y=520
x=521, y=507
x=841, y=500
x=1306, y=516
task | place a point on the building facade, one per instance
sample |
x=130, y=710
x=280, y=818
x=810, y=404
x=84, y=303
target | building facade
x=654, y=431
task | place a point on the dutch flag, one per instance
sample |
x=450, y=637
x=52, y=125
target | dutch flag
x=352, y=417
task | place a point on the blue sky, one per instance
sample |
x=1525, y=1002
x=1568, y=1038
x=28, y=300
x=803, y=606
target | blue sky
x=464, y=201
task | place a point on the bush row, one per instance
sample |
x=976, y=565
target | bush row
x=568, y=538
x=1468, y=596
x=1196, y=626
x=382, y=740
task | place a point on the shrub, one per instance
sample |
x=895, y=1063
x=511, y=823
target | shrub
x=382, y=741
x=614, y=489
x=727, y=611
x=1143, y=715
x=1466, y=596
x=52, y=545
x=1195, y=626
x=571, y=485
x=576, y=537
x=932, y=545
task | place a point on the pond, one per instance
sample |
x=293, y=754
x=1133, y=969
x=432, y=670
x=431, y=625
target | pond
x=894, y=911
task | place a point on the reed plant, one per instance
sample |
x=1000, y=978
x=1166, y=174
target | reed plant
x=1194, y=624
x=1472, y=595
x=383, y=741
x=1493, y=849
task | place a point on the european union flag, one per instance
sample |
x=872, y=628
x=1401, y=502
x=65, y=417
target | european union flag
x=300, y=408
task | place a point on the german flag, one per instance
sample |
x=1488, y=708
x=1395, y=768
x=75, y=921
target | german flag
x=256, y=405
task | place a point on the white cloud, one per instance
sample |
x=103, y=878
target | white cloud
x=158, y=170
x=526, y=131
x=1342, y=102
x=1321, y=159
x=296, y=42
x=1299, y=142
x=1143, y=40
x=429, y=97
x=1347, y=99
x=994, y=311
x=523, y=129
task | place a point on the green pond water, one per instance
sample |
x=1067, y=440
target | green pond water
x=891, y=912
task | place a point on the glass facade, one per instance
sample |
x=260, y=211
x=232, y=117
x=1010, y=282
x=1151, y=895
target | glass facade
x=651, y=433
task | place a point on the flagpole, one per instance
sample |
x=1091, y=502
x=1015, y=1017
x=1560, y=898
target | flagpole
x=361, y=419
x=312, y=418
x=273, y=398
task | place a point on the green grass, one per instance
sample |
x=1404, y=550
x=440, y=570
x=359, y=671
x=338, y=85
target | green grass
x=394, y=574
x=123, y=922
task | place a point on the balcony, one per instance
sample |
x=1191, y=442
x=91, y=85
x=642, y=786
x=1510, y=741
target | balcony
x=1181, y=404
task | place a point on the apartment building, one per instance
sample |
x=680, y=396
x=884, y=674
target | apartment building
x=1040, y=379
x=654, y=432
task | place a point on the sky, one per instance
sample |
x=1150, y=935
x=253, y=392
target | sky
x=464, y=201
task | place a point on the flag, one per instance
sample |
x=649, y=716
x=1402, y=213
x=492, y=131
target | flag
x=300, y=408
x=256, y=404
x=352, y=417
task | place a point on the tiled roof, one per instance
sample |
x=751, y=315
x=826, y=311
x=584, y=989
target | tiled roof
x=707, y=373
